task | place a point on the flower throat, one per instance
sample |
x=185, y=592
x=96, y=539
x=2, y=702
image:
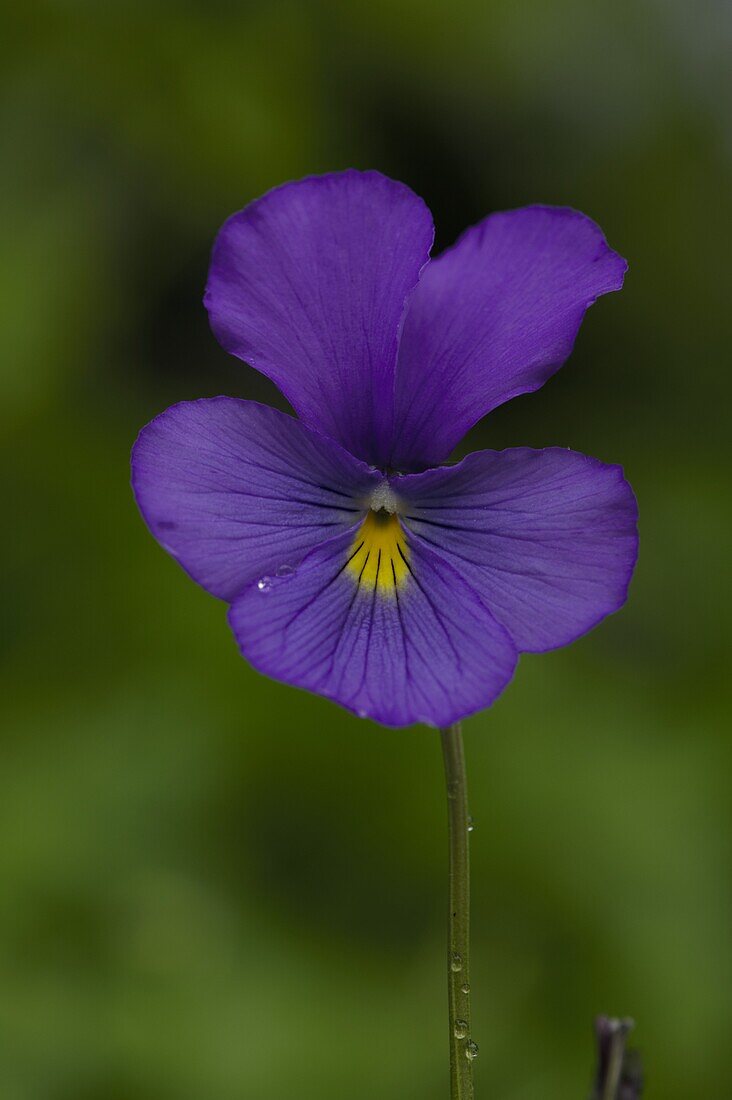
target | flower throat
x=379, y=557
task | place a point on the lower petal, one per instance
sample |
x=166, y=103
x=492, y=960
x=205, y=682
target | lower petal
x=380, y=624
x=234, y=490
x=547, y=538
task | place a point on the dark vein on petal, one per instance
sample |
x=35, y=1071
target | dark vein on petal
x=321, y=590
x=436, y=614
x=401, y=621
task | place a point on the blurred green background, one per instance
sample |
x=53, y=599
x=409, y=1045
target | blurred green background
x=215, y=887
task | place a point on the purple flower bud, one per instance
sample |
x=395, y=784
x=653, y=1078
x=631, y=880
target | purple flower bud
x=618, y=1069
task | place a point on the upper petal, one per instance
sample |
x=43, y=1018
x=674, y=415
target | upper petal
x=234, y=490
x=308, y=284
x=494, y=317
x=547, y=538
x=398, y=646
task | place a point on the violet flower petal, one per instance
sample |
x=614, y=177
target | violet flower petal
x=494, y=317
x=308, y=284
x=547, y=538
x=235, y=490
x=428, y=652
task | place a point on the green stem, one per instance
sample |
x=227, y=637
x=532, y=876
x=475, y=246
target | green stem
x=462, y=1048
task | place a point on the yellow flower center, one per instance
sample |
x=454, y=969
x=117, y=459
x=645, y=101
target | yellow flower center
x=379, y=553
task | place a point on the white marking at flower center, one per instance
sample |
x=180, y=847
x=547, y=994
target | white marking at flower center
x=384, y=499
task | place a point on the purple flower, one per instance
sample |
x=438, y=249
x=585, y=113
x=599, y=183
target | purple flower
x=403, y=592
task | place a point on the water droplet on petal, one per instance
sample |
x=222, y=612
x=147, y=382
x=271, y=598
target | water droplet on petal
x=465, y=987
x=461, y=1029
x=362, y=713
x=285, y=571
x=264, y=584
x=471, y=1050
x=456, y=963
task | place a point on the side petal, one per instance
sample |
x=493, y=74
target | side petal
x=494, y=317
x=547, y=538
x=308, y=284
x=234, y=490
x=417, y=647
